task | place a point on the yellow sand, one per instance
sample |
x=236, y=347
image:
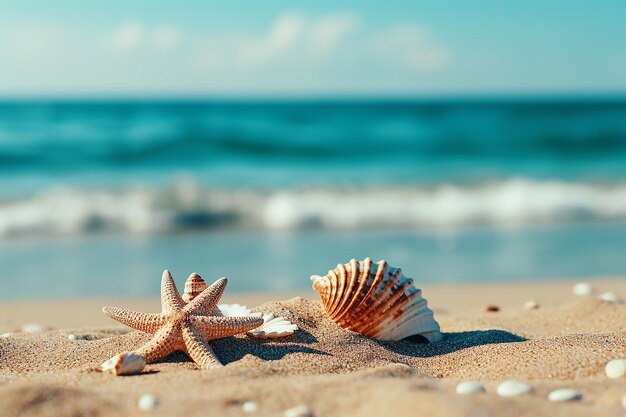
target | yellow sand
x=565, y=343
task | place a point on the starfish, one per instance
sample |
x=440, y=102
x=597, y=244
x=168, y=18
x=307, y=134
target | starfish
x=184, y=326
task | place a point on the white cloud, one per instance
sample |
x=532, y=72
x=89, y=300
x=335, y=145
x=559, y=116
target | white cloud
x=328, y=31
x=411, y=45
x=127, y=36
x=296, y=40
x=166, y=38
x=296, y=52
x=282, y=35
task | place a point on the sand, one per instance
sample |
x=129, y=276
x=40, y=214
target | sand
x=565, y=343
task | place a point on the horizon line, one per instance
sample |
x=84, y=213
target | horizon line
x=308, y=97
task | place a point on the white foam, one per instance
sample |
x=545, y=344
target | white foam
x=184, y=206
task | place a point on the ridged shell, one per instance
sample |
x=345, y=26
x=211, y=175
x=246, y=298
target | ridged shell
x=193, y=286
x=272, y=327
x=376, y=300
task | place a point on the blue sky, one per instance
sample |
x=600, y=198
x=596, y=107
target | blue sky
x=252, y=48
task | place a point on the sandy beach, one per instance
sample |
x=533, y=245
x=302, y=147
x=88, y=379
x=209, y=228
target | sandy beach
x=564, y=343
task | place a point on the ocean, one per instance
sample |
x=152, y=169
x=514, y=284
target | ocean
x=98, y=197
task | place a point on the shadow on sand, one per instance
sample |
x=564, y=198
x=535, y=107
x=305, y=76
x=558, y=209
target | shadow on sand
x=418, y=346
x=231, y=349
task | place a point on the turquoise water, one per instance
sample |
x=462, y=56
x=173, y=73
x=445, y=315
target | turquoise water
x=271, y=261
x=101, y=195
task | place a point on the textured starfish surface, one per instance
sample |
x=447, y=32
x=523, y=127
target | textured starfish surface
x=184, y=326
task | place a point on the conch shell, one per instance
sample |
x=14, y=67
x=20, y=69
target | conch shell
x=376, y=300
x=272, y=327
x=193, y=287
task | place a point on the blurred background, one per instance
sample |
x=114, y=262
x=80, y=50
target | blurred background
x=461, y=141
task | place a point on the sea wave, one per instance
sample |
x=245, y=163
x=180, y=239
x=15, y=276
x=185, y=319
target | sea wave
x=187, y=206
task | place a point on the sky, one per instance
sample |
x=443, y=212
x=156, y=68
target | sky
x=321, y=48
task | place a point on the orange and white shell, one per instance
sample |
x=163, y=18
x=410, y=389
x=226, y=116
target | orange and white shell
x=193, y=287
x=376, y=300
x=272, y=327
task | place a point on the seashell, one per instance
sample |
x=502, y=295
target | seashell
x=564, y=394
x=376, y=300
x=583, y=289
x=616, y=368
x=147, y=402
x=273, y=328
x=33, y=328
x=126, y=363
x=299, y=411
x=624, y=401
x=230, y=310
x=512, y=388
x=250, y=407
x=531, y=305
x=611, y=297
x=469, y=387
x=7, y=334
x=193, y=286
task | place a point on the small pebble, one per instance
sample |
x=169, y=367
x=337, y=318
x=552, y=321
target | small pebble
x=33, y=328
x=513, y=388
x=583, y=288
x=469, y=387
x=564, y=394
x=491, y=308
x=250, y=407
x=77, y=337
x=299, y=411
x=530, y=305
x=611, y=297
x=147, y=402
x=624, y=401
x=616, y=368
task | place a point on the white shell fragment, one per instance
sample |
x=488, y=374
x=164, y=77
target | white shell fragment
x=147, y=402
x=126, y=363
x=230, y=310
x=77, y=337
x=469, y=387
x=7, y=334
x=376, y=300
x=512, y=388
x=33, y=328
x=273, y=327
x=531, y=305
x=624, y=401
x=616, y=368
x=583, y=289
x=564, y=394
x=611, y=297
x=299, y=411
x=250, y=407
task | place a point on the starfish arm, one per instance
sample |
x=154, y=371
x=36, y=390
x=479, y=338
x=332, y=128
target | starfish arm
x=198, y=349
x=170, y=298
x=214, y=327
x=144, y=322
x=164, y=342
x=207, y=300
